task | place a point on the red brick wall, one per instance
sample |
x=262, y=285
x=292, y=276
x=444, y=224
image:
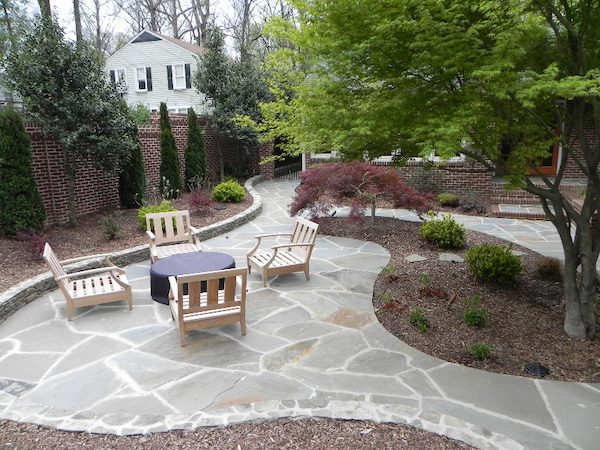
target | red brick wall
x=97, y=192
x=94, y=190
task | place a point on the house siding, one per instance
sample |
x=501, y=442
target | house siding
x=157, y=55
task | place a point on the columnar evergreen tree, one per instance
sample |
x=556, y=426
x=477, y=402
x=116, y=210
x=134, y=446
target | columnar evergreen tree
x=169, y=159
x=21, y=208
x=195, y=165
x=132, y=180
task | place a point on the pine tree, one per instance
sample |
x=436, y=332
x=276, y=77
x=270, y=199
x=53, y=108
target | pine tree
x=21, y=208
x=169, y=160
x=195, y=167
x=132, y=180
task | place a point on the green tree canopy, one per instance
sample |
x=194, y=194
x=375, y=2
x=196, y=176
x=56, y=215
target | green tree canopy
x=457, y=76
x=64, y=89
x=234, y=87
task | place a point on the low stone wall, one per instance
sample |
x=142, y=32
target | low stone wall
x=27, y=291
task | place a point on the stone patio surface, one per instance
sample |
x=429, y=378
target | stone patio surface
x=312, y=349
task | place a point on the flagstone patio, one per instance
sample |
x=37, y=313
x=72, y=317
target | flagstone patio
x=312, y=348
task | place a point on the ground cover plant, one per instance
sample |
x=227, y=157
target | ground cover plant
x=520, y=322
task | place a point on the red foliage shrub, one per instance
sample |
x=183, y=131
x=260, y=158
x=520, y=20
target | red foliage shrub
x=34, y=242
x=200, y=200
x=358, y=183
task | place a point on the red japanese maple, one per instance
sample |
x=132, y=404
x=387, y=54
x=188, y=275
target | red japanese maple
x=357, y=183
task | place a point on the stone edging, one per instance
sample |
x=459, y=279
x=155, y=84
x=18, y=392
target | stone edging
x=25, y=292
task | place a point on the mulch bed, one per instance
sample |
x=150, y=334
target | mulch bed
x=18, y=264
x=525, y=321
x=275, y=434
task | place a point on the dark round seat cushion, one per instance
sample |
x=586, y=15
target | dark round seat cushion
x=184, y=264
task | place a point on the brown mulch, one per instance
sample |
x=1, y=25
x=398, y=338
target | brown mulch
x=275, y=434
x=18, y=264
x=525, y=321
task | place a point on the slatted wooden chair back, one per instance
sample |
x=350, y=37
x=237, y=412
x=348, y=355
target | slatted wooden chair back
x=170, y=227
x=213, y=298
x=305, y=232
x=53, y=263
x=209, y=305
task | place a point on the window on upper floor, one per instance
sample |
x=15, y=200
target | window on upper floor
x=179, y=76
x=118, y=76
x=143, y=77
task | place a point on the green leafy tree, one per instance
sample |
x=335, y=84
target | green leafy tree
x=481, y=78
x=195, y=165
x=169, y=159
x=65, y=89
x=21, y=208
x=235, y=89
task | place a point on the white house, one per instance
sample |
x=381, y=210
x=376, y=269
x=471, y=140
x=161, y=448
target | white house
x=154, y=68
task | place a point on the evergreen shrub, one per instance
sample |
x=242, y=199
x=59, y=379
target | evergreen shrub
x=195, y=165
x=493, y=263
x=444, y=232
x=228, y=192
x=21, y=208
x=169, y=159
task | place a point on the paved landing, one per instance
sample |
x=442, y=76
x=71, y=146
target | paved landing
x=312, y=349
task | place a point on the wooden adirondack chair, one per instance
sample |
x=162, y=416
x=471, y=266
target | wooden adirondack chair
x=215, y=307
x=171, y=233
x=286, y=258
x=107, y=284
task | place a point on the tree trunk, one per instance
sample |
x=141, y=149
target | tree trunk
x=71, y=172
x=373, y=204
x=77, y=18
x=45, y=10
x=98, y=30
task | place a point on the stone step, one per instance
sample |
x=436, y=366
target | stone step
x=517, y=211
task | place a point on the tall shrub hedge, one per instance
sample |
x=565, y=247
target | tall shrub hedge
x=21, y=208
x=195, y=166
x=132, y=180
x=169, y=160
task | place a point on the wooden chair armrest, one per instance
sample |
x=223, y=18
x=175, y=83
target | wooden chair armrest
x=276, y=247
x=194, y=230
x=151, y=235
x=120, y=280
x=174, y=293
x=91, y=271
x=260, y=236
x=83, y=258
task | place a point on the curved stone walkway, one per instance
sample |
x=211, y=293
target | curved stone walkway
x=312, y=349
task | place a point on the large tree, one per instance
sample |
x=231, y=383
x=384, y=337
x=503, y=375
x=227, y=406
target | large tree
x=235, y=88
x=459, y=76
x=65, y=89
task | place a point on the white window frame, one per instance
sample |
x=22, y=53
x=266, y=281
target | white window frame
x=137, y=79
x=119, y=79
x=176, y=86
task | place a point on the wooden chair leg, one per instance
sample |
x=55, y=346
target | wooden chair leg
x=181, y=337
x=264, y=277
x=243, y=326
x=130, y=300
x=69, y=309
x=306, y=272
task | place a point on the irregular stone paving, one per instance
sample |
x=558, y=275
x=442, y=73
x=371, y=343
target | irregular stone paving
x=312, y=349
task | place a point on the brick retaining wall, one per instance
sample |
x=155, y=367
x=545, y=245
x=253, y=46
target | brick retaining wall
x=97, y=192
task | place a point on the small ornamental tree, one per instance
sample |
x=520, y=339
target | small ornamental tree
x=65, y=90
x=169, y=160
x=132, y=180
x=195, y=166
x=359, y=183
x=21, y=207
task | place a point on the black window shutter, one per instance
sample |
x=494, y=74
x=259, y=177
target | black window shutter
x=149, y=78
x=170, y=77
x=188, y=77
x=112, y=76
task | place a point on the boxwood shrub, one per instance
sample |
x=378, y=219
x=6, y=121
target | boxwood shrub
x=494, y=263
